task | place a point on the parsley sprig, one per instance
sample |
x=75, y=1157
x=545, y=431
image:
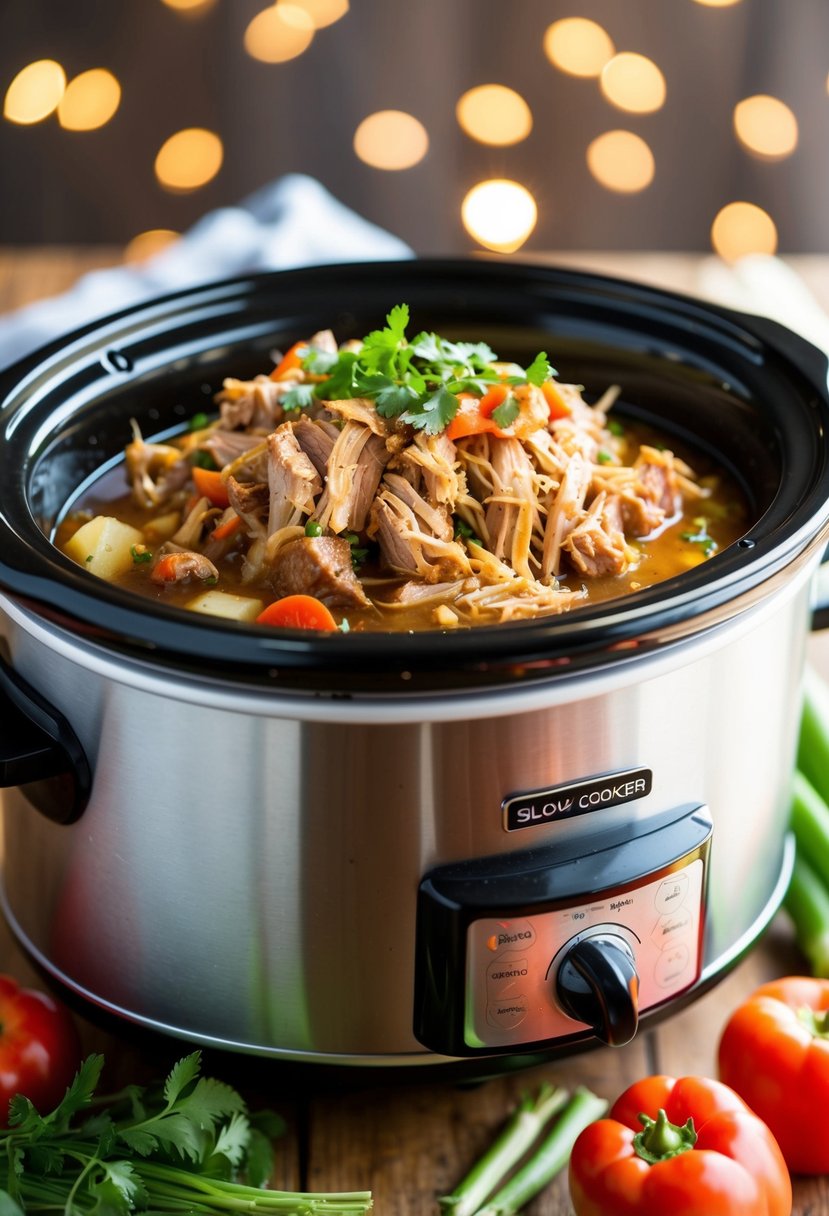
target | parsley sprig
x=416, y=380
x=190, y=1145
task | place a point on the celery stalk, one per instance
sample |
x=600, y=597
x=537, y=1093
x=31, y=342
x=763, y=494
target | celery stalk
x=523, y=1128
x=810, y=824
x=550, y=1157
x=807, y=902
x=813, y=745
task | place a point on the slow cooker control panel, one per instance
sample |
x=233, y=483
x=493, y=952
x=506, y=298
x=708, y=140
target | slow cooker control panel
x=560, y=944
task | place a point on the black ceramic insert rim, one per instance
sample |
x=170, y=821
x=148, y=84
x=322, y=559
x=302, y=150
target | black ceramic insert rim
x=107, y=370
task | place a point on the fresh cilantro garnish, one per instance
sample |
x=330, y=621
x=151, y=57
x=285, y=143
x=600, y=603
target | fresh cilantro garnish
x=198, y=422
x=319, y=362
x=701, y=537
x=603, y=456
x=187, y=1145
x=505, y=414
x=298, y=398
x=140, y=554
x=463, y=531
x=434, y=414
x=358, y=553
x=417, y=381
x=539, y=370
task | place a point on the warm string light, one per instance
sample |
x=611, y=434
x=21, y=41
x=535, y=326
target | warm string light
x=499, y=214
x=189, y=159
x=90, y=100
x=147, y=244
x=621, y=161
x=279, y=33
x=578, y=46
x=766, y=126
x=742, y=228
x=391, y=139
x=35, y=92
x=494, y=114
x=633, y=82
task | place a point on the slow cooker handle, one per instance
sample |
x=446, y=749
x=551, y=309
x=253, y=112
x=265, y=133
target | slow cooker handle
x=40, y=752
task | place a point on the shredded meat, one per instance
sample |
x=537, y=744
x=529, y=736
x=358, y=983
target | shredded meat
x=292, y=479
x=597, y=545
x=252, y=403
x=353, y=471
x=155, y=471
x=227, y=446
x=407, y=546
x=250, y=500
x=319, y=566
x=316, y=440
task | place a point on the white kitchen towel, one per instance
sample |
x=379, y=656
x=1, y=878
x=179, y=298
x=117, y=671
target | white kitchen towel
x=292, y=222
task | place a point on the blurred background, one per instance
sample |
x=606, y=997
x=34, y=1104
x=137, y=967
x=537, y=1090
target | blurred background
x=674, y=125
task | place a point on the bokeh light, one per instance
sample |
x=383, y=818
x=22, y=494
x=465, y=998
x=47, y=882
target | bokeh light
x=279, y=33
x=621, y=161
x=766, y=126
x=391, y=139
x=718, y=3
x=90, y=100
x=494, y=114
x=146, y=244
x=323, y=12
x=189, y=159
x=633, y=82
x=743, y=228
x=578, y=46
x=499, y=214
x=35, y=92
x=189, y=6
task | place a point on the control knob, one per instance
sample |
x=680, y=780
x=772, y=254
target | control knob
x=597, y=983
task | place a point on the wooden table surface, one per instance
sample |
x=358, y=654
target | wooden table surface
x=410, y=1143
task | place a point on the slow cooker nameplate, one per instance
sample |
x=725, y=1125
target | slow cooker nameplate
x=578, y=798
x=497, y=937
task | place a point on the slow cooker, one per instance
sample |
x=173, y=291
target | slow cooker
x=392, y=849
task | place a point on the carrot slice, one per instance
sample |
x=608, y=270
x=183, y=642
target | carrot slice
x=298, y=612
x=227, y=528
x=558, y=406
x=293, y=358
x=474, y=416
x=164, y=570
x=210, y=485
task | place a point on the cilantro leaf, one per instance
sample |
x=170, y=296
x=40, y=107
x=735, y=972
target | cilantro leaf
x=233, y=1139
x=319, y=362
x=395, y=399
x=539, y=370
x=210, y=1101
x=299, y=397
x=125, y=1183
x=435, y=413
x=259, y=1163
x=79, y=1094
x=505, y=414
x=182, y=1074
x=339, y=385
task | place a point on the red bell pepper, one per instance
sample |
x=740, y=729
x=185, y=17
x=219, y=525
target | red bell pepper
x=774, y=1052
x=687, y=1147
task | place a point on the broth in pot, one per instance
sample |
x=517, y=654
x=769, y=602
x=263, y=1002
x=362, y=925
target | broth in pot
x=401, y=484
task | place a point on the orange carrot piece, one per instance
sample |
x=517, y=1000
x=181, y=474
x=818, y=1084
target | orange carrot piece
x=210, y=485
x=227, y=528
x=293, y=358
x=298, y=612
x=558, y=406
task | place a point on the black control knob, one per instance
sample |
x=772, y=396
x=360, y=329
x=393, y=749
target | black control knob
x=597, y=983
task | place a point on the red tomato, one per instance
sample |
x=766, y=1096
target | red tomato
x=39, y=1047
x=775, y=1052
x=699, y=1151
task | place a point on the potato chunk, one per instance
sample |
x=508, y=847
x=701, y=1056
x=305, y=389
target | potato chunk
x=221, y=603
x=104, y=546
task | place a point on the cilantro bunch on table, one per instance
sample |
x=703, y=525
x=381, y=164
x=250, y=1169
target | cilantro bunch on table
x=189, y=1145
x=416, y=380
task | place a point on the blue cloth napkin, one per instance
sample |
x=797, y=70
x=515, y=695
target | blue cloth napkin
x=292, y=222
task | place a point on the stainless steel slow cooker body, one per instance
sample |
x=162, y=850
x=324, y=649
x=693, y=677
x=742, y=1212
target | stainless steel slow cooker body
x=406, y=849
